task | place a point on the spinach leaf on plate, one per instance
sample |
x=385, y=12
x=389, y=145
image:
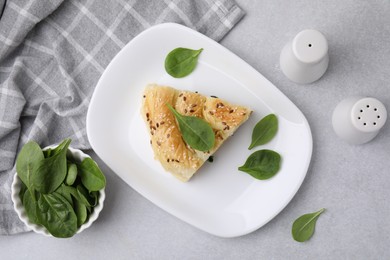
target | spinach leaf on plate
x=262, y=164
x=180, y=62
x=264, y=130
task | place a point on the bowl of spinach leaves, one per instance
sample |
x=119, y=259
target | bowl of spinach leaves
x=57, y=191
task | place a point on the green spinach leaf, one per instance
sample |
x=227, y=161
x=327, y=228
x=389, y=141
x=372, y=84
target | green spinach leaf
x=28, y=158
x=72, y=174
x=95, y=197
x=47, y=152
x=50, y=172
x=89, y=209
x=57, y=215
x=84, y=196
x=63, y=145
x=180, y=62
x=303, y=227
x=70, y=190
x=262, y=164
x=91, y=176
x=196, y=132
x=65, y=192
x=264, y=130
x=30, y=206
x=81, y=212
x=23, y=189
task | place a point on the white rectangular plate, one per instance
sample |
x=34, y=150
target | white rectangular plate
x=219, y=199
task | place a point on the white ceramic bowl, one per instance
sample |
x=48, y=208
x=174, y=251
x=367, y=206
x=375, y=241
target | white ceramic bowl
x=19, y=208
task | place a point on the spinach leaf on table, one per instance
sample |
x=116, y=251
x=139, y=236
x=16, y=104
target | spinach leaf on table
x=303, y=227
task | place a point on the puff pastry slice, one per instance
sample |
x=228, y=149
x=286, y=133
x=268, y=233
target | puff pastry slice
x=169, y=148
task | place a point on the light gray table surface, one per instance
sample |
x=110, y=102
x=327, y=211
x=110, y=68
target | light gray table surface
x=351, y=182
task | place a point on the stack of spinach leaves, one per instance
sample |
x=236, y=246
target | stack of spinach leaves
x=58, y=192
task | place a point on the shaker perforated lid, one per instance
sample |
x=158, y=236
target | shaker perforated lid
x=357, y=120
x=368, y=115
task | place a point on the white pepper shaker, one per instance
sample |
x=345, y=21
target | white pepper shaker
x=305, y=59
x=357, y=120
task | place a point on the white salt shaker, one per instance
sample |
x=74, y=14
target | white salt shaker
x=305, y=59
x=358, y=120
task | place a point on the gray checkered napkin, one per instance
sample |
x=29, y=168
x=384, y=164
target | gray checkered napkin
x=52, y=53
